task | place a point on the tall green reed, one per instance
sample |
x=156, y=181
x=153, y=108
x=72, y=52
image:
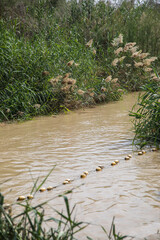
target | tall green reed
x=147, y=117
x=99, y=20
x=47, y=36
x=28, y=66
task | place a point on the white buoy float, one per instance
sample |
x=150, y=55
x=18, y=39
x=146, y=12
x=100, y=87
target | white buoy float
x=83, y=175
x=30, y=196
x=49, y=188
x=21, y=198
x=116, y=161
x=98, y=169
x=42, y=189
x=113, y=163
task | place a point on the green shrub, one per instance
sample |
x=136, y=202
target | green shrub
x=147, y=117
x=30, y=67
x=39, y=39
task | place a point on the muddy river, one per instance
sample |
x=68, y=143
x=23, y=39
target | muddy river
x=79, y=141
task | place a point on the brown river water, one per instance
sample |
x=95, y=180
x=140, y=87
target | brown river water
x=78, y=141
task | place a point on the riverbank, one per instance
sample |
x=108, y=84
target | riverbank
x=59, y=62
x=57, y=56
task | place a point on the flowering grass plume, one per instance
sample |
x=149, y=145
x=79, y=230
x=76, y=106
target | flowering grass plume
x=89, y=44
x=132, y=67
x=70, y=63
x=118, y=40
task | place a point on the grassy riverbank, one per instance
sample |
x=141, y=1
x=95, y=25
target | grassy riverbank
x=56, y=56
x=49, y=62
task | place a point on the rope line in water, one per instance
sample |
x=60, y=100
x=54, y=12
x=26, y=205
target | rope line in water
x=83, y=175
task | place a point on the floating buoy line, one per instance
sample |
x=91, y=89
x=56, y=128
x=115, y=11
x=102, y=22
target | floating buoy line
x=83, y=175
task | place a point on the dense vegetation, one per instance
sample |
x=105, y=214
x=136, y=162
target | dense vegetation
x=147, y=117
x=56, y=55
x=49, y=62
